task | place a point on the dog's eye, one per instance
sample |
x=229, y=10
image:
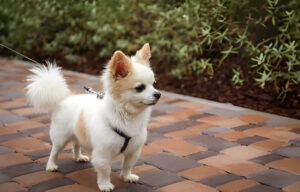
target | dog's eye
x=140, y=88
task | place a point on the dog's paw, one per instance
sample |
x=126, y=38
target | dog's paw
x=132, y=178
x=51, y=167
x=108, y=187
x=82, y=158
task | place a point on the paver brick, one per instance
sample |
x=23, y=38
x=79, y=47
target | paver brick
x=5, y=150
x=291, y=151
x=22, y=169
x=73, y=188
x=275, y=178
x=183, y=133
x=233, y=165
x=245, y=127
x=233, y=136
x=262, y=188
x=186, y=186
x=200, y=173
x=215, y=131
x=159, y=178
x=202, y=155
x=220, y=180
x=272, y=133
x=291, y=165
x=178, y=146
x=13, y=104
x=14, y=127
x=250, y=140
x=211, y=143
x=11, y=187
x=42, y=187
x=8, y=117
x=36, y=178
x=212, y=119
x=252, y=118
x=269, y=144
x=142, y=168
x=61, y=156
x=27, y=112
x=27, y=144
x=175, y=126
x=199, y=127
x=150, y=149
x=69, y=165
x=230, y=123
x=237, y=185
x=162, y=161
x=10, y=159
x=293, y=187
x=239, y=152
x=267, y=158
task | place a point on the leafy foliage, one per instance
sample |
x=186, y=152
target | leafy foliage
x=257, y=40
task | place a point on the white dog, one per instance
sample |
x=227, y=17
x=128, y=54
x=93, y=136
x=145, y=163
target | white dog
x=104, y=127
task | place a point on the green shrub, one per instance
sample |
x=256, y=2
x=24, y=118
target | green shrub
x=255, y=41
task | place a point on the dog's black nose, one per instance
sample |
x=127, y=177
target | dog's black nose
x=157, y=95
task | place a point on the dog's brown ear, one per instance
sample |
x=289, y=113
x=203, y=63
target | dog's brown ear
x=144, y=54
x=119, y=65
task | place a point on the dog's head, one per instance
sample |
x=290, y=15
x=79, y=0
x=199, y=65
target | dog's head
x=130, y=80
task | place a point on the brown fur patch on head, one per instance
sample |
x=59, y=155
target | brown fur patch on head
x=119, y=65
x=80, y=133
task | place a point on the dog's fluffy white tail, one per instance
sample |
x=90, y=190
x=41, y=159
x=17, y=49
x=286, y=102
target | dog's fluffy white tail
x=47, y=88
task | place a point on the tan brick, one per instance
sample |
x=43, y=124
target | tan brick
x=252, y=118
x=237, y=185
x=10, y=159
x=36, y=178
x=188, y=186
x=291, y=165
x=233, y=136
x=200, y=173
x=292, y=188
x=143, y=168
x=178, y=146
x=233, y=165
x=27, y=144
x=11, y=187
x=269, y=144
x=244, y=152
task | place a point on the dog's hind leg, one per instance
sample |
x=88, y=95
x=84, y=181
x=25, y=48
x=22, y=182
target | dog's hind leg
x=77, y=155
x=58, y=143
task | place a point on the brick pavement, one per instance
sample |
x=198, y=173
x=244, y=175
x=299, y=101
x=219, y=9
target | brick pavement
x=193, y=145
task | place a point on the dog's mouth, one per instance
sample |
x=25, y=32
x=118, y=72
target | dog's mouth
x=152, y=103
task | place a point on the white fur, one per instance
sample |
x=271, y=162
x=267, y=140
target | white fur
x=47, y=88
x=48, y=91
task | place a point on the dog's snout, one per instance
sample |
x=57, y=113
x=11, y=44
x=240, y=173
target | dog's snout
x=157, y=95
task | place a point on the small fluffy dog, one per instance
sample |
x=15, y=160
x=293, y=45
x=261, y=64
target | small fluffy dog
x=104, y=127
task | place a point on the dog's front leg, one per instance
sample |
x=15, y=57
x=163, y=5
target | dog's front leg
x=103, y=169
x=128, y=162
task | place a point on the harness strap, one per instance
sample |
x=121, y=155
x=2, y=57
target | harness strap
x=126, y=141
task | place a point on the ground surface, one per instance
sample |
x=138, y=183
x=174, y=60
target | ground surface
x=193, y=145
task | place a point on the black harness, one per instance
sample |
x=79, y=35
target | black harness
x=126, y=141
x=100, y=95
